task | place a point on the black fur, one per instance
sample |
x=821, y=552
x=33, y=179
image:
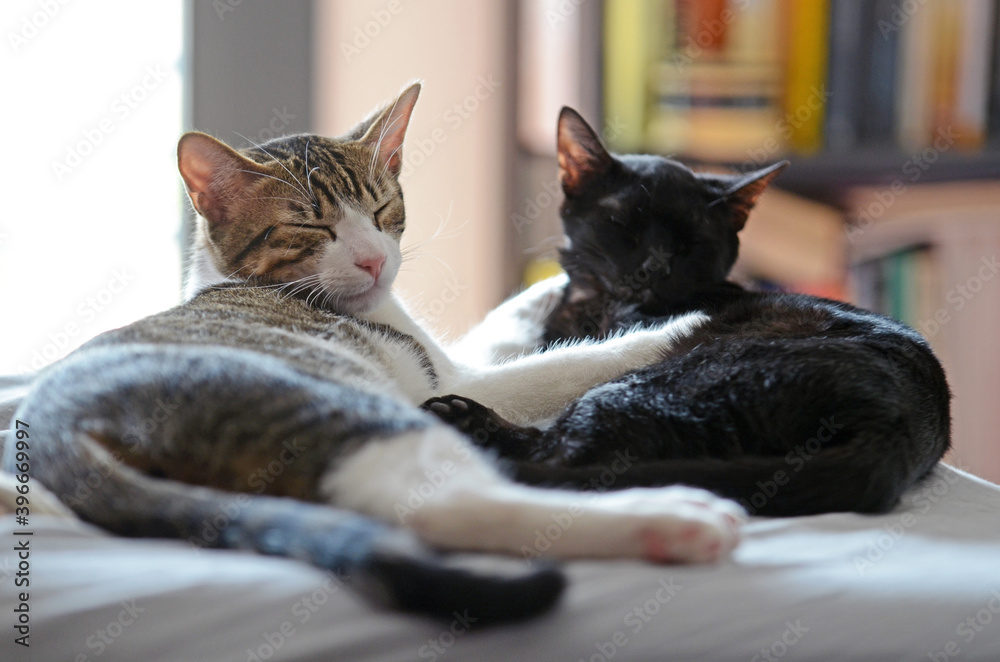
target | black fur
x=789, y=403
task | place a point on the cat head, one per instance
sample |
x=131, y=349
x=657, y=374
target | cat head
x=323, y=216
x=646, y=230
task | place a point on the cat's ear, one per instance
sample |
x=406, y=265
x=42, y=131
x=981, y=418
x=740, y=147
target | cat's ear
x=582, y=155
x=213, y=172
x=740, y=192
x=385, y=129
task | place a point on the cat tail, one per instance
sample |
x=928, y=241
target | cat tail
x=847, y=478
x=387, y=565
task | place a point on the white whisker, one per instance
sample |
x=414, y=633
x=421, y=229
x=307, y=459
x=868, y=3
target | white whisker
x=312, y=195
x=278, y=161
x=278, y=179
x=381, y=136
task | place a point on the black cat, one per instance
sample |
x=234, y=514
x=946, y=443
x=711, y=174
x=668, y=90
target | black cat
x=788, y=403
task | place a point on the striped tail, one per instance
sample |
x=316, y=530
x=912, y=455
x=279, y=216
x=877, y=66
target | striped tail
x=387, y=565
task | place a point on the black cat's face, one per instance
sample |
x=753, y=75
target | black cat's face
x=646, y=230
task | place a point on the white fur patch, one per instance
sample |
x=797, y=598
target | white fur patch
x=352, y=288
x=202, y=273
x=513, y=328
x=436, y=484
x=540, y=385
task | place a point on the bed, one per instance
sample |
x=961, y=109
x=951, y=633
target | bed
x=920, y=583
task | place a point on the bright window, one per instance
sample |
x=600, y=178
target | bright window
x=90, y=228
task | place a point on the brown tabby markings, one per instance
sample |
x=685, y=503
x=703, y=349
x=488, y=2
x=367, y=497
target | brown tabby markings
x=235, y=317
x=287, y=214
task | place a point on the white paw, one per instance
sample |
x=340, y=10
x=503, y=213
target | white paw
x=542, y=298
x=674, y=524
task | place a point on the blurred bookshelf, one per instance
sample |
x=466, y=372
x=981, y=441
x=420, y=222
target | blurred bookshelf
x=889, y=111
x=844, y=87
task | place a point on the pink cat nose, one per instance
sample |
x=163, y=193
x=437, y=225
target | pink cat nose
x=372, y=265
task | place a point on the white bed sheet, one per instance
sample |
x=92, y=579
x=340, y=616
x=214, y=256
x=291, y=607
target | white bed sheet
x=920, y=583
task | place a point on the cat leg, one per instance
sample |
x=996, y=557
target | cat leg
x=541, y=385
x=487, y=429
x=435, y=483
x=514, y=328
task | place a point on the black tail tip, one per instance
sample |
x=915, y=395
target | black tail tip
x=468, y=598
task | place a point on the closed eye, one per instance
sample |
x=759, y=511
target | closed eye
x=324, y=228
x=378, y=212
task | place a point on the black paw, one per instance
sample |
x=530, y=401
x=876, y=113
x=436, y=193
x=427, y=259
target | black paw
x=468, y=416
x=485, y=427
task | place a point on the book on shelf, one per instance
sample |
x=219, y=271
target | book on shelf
x=970, y=112
x=904, y=284
x=721, y=80
x=805, y=64
x=795, y=243
x=868, y=206
x=716, y=93
x=637, y=34
x=944, y=70
x=994, y=102
x=879, y=70
x=862, y=74
x=844, y=77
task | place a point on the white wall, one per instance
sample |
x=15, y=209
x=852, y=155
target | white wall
x=455, y=179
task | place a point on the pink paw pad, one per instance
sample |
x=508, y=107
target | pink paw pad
x=655, y=546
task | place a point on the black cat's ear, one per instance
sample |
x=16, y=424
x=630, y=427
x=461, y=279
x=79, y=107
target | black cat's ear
x=740, y=192
x=213, y=172
x=385, y=129
x=582, y=155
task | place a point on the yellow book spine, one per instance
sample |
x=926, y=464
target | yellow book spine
x=806, y=66
x=634, y=35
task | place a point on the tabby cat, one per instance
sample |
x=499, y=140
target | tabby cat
x=790, y=404
x=281, y=399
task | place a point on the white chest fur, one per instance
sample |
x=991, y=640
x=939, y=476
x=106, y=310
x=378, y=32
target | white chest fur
x=413, y=359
